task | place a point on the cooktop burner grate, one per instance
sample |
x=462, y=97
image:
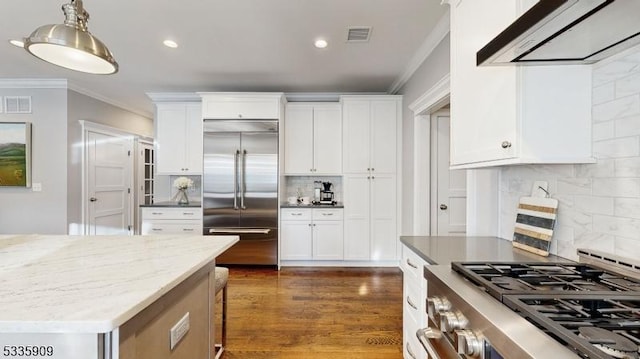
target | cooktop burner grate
x=499, y=279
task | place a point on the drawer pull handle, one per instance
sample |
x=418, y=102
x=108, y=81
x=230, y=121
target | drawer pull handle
x=411, y=264
x=424, y=335
x=410, y=351
x=327, y=214
x=187, y=229
x=239, y=231
x=156, y=213
x=156, y=229
x=188, y=213
x=411, y=303
x=296, y=214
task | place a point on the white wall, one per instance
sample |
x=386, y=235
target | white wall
x=21, y=209
x=599, y=203
x=56, y=155
x=432, y=70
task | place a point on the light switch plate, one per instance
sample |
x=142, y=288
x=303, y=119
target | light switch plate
x=178, y=331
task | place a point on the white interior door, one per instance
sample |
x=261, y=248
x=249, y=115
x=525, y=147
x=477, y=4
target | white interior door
x=109, y=175
x=449, y=207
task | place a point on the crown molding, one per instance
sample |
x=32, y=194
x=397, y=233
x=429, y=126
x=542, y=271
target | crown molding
x=174, y=96
x=33, y=83
x=108, y=100
x=438, y=33
x=434, y=96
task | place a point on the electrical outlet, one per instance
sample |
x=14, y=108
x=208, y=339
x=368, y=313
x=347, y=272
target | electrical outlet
x=178, y=331
x=36, y=187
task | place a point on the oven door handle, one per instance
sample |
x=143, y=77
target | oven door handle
x=424, y=335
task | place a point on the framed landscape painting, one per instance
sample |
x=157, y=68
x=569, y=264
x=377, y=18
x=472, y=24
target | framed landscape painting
x=15, y=154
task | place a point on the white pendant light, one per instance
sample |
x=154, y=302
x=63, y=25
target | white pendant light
x=71, y=45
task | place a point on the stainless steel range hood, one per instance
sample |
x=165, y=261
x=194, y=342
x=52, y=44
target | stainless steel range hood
x=566, y=31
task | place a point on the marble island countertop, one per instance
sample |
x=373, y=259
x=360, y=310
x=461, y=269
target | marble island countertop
x=93, y=284
x=444, y=250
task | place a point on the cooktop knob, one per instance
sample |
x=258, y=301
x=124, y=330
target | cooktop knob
x=468, y=343
x=450, y=321
x=436, y=305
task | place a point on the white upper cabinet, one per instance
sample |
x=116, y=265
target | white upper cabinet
x=241, y=105
x=370, y=133
x=312, y=139
x=178, y=141
x=512, y=114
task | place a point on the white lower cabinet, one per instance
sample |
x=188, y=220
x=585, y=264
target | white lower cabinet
x=171, y=220
x=311, y=234
x=414, y=297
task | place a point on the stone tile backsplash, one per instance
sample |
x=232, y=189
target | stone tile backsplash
x=599, y=203
x=305, y=185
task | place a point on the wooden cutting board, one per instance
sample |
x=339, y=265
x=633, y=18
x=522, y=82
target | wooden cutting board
x=535, y=219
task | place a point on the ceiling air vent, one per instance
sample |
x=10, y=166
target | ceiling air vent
x=17, y=104
x=358, y=33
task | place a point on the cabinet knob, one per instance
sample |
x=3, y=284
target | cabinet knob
x=93, y=199
x=506, y=144
x=443, y=207
x=373, y=177
x=239, y=115
x=368, y=169
x=373, y=169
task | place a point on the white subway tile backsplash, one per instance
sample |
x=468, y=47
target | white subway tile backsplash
x=598, y=241
x=574, y=185
x=627, y=247
x=617, y=226
x=621, y=107
x=604, y=130
x=594, y=205
x=615, y=70
x=602, y=168
x=629, y=85
x=627, y=207
x=580, y=222
x=628, y=126
x=616, y=187
x=604, y=93
x=617, y=147
x=627, y=167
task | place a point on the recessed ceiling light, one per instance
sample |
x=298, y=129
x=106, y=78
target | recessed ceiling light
x=321, y=44
x=17, y=43
x=170, y=43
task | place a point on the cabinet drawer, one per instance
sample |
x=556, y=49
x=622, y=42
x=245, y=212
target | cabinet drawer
x=412, y=264
x=294, y=214
x=328, y=214
x=171, y=227
x=229, y=107
x=171, y=213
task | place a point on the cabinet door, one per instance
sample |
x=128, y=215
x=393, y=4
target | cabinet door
x=484, y=112
x=296, y=240
x=221, y=106
x=383, y=136
x=298, y=140
x=384, y=236
x=356, y=135
x=356, y=217
x=170, y=138
x=193, y=140
x=327, y=240
x=327, y=139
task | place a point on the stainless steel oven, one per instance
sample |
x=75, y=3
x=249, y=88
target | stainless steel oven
x=466, y=322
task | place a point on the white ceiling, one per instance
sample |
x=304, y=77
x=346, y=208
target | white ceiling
x=232, y=45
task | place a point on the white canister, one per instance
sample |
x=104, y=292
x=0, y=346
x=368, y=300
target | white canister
x=292, y=200
x=305, y=200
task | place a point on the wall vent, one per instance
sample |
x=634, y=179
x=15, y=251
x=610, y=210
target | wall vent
x=359, y=33
x=17, y=104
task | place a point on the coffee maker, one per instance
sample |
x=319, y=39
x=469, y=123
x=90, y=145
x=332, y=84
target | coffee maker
x=326, y=195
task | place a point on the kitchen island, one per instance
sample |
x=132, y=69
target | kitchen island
x=107, y=296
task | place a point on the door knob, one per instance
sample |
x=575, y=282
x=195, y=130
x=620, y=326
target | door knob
x=443, y=207
x=93, y=199
x=506, y=144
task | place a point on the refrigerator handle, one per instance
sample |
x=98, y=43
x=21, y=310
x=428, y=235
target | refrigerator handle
x=243, y=180
x=235, y=180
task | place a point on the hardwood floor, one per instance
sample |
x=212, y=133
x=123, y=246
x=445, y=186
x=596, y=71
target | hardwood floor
x=309, y=313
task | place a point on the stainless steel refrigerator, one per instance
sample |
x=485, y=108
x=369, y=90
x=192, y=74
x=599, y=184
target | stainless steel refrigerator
x=240, y=188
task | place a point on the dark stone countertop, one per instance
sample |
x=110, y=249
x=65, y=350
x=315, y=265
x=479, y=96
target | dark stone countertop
x=173, y=204
x=444, y=250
